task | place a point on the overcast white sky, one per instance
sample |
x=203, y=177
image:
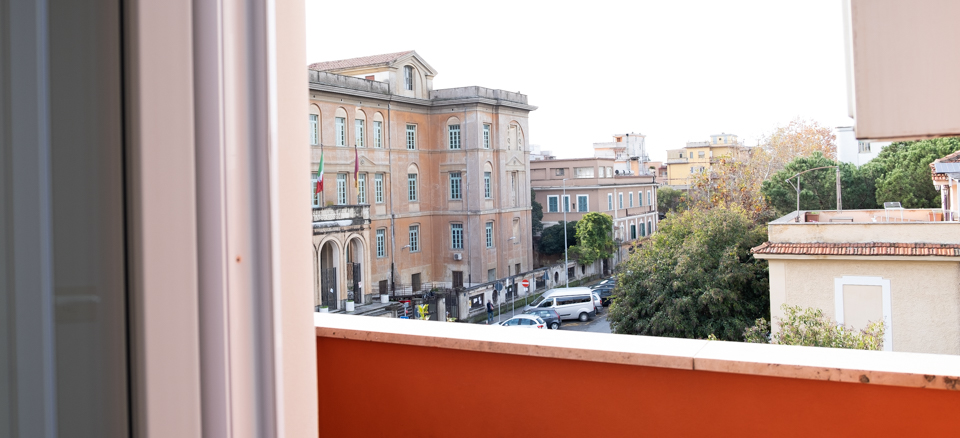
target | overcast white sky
x=676, y=70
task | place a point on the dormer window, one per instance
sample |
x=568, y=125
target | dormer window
x=408, y=77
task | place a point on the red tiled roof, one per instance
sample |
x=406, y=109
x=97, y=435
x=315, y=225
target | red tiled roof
x=952, y=158
x=861, y=249
x=385, y=58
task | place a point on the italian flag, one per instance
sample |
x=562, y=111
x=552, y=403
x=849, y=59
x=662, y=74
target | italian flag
x=320, y=175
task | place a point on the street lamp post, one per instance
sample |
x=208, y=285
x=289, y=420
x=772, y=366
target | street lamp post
x=514, y=312
x=566, y=271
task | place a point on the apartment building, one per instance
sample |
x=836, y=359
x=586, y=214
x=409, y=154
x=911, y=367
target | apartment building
x=854, y=151
x=581, y=185
x=697, y=156
x=421, y=188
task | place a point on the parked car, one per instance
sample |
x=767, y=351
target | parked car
x=525, y=321
x=597, y=302
x=550, y=316
x=570, y=303
x=611, y=281
x=605, y=293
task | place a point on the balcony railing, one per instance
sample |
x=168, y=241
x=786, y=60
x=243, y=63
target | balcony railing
x=454, y=379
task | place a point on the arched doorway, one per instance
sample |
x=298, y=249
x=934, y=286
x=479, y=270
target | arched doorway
x=329, y=260
x=354, y=267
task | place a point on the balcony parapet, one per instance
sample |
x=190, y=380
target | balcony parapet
x=342, y=215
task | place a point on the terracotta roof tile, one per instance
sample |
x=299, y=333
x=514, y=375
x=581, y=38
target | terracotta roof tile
x=385, y=58
x=871, y=248
x=952, y=158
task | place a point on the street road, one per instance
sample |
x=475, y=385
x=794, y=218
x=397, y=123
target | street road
x=597, y=325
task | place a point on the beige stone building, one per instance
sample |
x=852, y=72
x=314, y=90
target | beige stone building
x=422, y=188
x=901, y=266
x=581, y=185
x=628, y=150
x=697, y=156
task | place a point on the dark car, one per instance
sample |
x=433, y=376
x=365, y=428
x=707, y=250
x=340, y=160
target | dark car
x=605, y=292
x=550, y=316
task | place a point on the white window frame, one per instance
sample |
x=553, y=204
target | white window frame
x=620, y=201
x=377, y=134
x=649, y=197
x=314, y=130
x=556, y=199
x=408, y=77
x=487, y=192
x=381, y=243
x=631, y=198
x=411, y=136
x=456, y=236
x=586, y=203
x=314, y=196
x=453, y=136
x=341, y=131
x=609, y=201
x=488, y=229
x=341, y=189
x=359, y=132
x=413, y=236
x=456, y=186
x=412, y=187
x=362, y=188
x=853, y=280
x=378, y=188
x=565, y=206
x=486, y=136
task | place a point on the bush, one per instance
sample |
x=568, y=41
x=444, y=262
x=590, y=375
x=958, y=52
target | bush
x=810, y=328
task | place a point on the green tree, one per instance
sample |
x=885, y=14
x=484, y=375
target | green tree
x=594, y=237
x=902, y=171
x=810, y=328
x=671, y=199
x=551, y=240
x=536, y=214
x=695, y=277
x=818, y=189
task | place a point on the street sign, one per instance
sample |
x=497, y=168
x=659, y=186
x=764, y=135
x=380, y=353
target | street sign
x=498, y=286
x=525, y=283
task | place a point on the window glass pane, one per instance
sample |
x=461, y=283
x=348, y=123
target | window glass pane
x=454, y=136
x=342, y=189
x=552, y=204
x=378, y=134
x=414, y=238
x=582, y=203
x=412, y=187
x=341, y=125
x=362, y=188
x=314, y=130
x=381, y=242
x=378, y=188
x=486, y=185
x=455, y=185
x=456, y=236
x=486, y=136
x=489, y=234
x=411, y=136
x=359, y=133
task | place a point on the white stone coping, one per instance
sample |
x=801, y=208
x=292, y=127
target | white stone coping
x=914, y=370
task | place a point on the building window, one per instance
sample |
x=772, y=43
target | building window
x=642, y=230
x=516, y=268
x=863, y=146
x=691, y=153
x=489, y=233
x=491, y=276
x=456, y=236
x=454, y=135
x=559, y=172
x=408, y=77
x=486, y=186
x=486, y=136
x=341, y=131
x=377, y=134
x=582, y=203
x=633, y=232
x=583, y=172
x=650, y=199
x=639, y=198
x=700, y=154
x=513, y=188
x=314, y=129
x=630, y=195
x=566, y=203
x=362, y=188
x=412, y=187
x=381, y=243
x=620, y=200
x=359, y=131
x=411, y=137
x=455, y=185
x=314, y=196
x=378, y=188
x=341, y=189
x=552, y=204
x=609, y=201
x=414, y=238
x=649, y=229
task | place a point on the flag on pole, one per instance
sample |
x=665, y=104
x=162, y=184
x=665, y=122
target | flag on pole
x=356, y=166
x=320, y=175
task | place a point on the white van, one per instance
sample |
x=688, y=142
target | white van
x=570, y=303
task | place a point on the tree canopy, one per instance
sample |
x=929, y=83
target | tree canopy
x=670, y=199
x=818, y=189
x=594, y=240
x=551, y=240
x=695, y=277
x=536, y=214
x=902, y=171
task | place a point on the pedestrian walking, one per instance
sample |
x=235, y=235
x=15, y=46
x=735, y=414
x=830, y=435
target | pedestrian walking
x=489, y=312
